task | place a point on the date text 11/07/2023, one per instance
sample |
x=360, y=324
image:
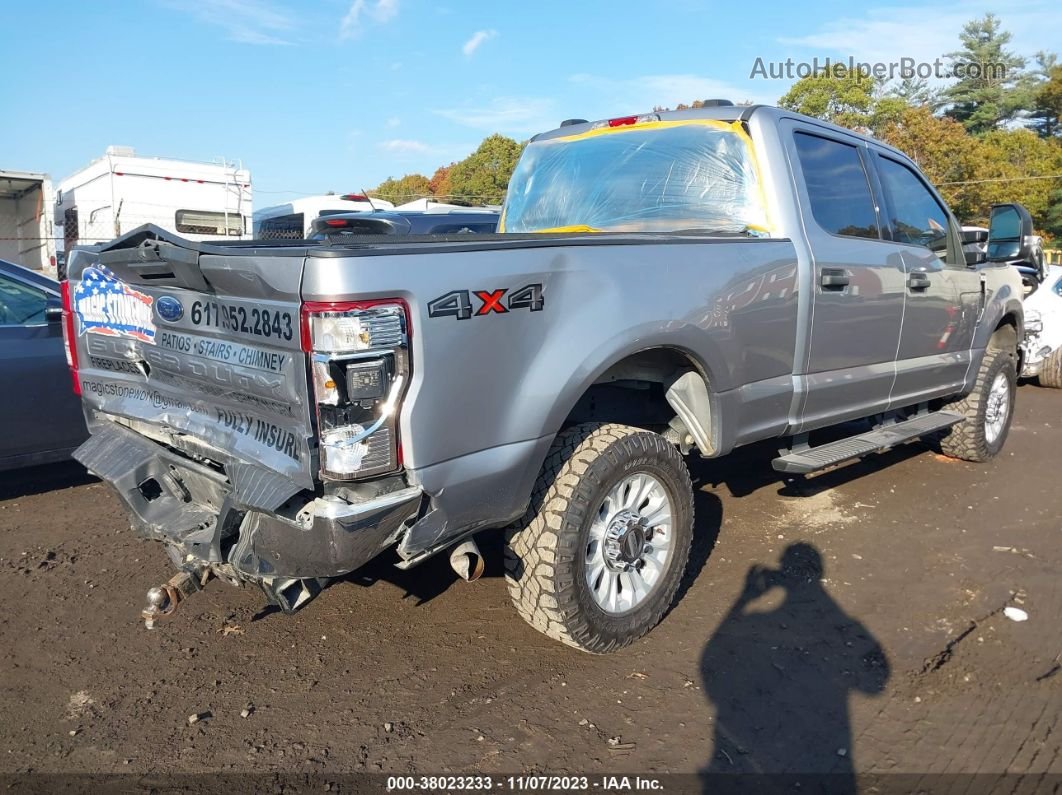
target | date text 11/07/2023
x=524, y=783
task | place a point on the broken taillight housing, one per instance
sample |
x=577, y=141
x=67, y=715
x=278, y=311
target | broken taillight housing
x=359, y=360
x=69, y=335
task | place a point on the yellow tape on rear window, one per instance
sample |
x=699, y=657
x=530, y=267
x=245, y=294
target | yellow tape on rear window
x=736, y=128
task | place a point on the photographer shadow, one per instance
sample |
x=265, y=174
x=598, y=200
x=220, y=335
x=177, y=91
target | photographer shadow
x=779, y=671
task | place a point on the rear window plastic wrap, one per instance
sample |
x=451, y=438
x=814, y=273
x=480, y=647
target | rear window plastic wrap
x=652, y=177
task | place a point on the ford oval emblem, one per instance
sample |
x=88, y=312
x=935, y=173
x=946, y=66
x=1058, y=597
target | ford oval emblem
x=169, y=308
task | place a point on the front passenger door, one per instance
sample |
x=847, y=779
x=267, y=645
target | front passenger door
x=943, y=295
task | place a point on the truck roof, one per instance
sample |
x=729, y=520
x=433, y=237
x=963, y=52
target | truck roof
x=728, y=113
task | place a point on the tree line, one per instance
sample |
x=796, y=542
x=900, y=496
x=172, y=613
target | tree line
x=992, y=134
x=481, y=178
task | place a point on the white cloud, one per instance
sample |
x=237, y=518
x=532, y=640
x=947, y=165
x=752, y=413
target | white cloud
x=404, y=146
x=478, y=38
x=244, y=21
x=509, y=115
x=378, y=11
x=393, y=122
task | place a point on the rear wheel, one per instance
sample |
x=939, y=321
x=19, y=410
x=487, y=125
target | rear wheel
x=988, y=410
x=1051, y=370
x=597, y=559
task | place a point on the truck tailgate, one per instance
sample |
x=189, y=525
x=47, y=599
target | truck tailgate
x=200, y=351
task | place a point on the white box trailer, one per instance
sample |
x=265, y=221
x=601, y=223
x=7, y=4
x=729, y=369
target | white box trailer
x=121, y=191
x=26, y=232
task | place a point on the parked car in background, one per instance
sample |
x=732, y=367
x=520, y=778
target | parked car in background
x=1042, y=355
x=975, y=239
x=294, y=220
x=42, y=417
x=1041, y=348
x=431, y=222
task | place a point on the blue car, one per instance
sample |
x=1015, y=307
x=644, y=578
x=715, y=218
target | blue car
x=41, y=417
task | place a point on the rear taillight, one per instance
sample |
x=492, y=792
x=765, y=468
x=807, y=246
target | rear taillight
x=69, y=337
x=359, y=360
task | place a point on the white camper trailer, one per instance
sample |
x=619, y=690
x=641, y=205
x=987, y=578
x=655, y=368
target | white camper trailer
x=26, y=233
x=120, y=191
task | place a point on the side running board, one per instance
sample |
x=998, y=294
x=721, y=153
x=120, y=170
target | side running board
x=812, y=459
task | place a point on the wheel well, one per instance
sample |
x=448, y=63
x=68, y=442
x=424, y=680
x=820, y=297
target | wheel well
x=1005, y=337
x=633, y=391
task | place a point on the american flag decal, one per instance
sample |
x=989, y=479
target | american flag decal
x=104, y=304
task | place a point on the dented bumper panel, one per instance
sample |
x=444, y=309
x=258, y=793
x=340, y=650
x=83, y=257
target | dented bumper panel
x=333, y=537
x=258, y=526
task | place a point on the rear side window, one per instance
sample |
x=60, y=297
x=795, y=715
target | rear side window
x=838, y=187
x=917, y=217
x=204, y=222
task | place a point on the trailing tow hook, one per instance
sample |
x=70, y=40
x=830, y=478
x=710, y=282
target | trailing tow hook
x=163, y=599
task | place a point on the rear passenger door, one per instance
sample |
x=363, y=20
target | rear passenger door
x=943, y=295
x=858, y=279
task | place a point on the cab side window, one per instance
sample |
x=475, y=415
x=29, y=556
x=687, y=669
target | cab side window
x=917, y=217
x=838, y=187
x=20, y=304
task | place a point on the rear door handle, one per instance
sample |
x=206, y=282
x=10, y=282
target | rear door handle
x=918, y=281
x=834, y=279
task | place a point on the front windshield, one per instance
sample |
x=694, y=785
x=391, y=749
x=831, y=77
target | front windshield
x=655, y=177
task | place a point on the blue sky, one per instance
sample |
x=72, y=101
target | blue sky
x=339, y=94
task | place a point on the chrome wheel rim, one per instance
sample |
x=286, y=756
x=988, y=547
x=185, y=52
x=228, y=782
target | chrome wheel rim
x=997, y=408
x=629, y=546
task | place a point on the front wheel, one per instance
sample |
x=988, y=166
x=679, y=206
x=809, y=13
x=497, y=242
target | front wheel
x=987, y=410
x=597, y=559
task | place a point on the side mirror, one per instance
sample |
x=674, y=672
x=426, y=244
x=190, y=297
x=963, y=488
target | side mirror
x=974, y=236
x=53, y=314
x=974, y=258
x=1010, y=234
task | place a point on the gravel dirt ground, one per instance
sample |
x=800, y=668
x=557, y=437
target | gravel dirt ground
x=851, y=622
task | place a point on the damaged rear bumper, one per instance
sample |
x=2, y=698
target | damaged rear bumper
x=244, y=522
x=335, y=538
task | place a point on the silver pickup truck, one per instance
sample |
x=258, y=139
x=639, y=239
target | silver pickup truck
x=280, y=412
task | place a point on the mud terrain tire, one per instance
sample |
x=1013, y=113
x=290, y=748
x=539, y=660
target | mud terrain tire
x=548, y=550
x=973, y=439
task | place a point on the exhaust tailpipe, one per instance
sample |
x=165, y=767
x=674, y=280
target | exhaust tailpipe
x=467, y=560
